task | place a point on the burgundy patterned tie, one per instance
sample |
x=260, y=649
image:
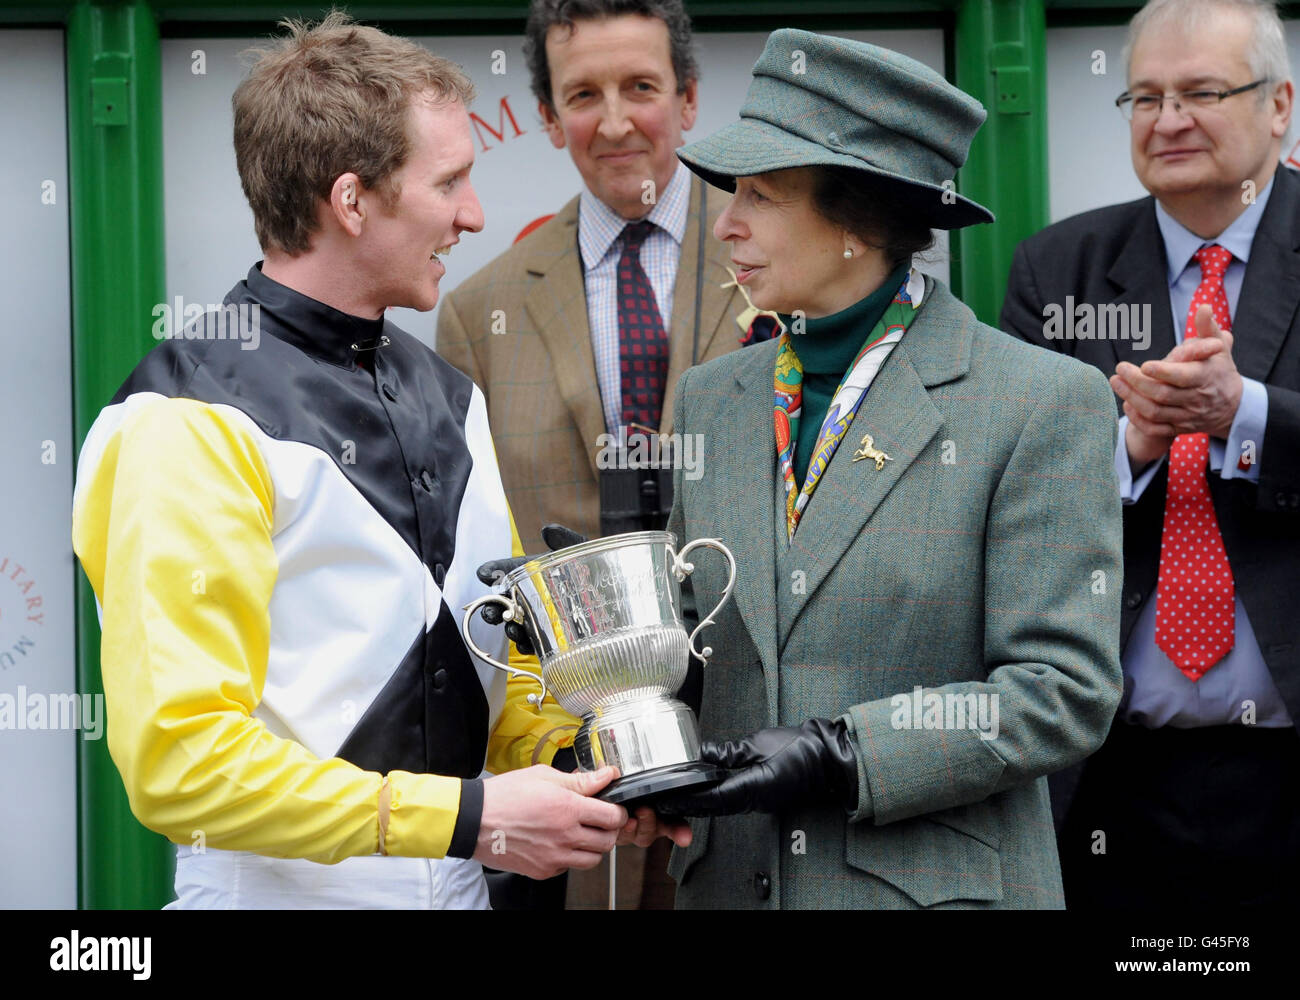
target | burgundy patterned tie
x=642, y=340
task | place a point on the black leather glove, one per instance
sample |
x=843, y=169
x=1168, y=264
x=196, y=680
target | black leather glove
x=775, y=771
x=556, y=536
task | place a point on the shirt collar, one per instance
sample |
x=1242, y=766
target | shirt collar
x=599, y=226
x=1181, y=242
x=313, y=327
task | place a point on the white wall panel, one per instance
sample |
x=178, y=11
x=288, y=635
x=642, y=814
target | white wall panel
x=519, y=177
x=38, y=777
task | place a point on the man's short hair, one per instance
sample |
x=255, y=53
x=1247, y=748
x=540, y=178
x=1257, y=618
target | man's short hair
x=546, y=14
x=1267, y=57
x=322, y=101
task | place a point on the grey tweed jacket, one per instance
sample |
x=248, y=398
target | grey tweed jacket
x=981, y=563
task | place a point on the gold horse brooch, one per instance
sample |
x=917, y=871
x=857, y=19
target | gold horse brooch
x=869, y=450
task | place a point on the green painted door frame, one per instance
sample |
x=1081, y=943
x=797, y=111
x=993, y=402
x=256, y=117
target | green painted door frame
x=1001, y=59
x=117, y=247
x=115, y=175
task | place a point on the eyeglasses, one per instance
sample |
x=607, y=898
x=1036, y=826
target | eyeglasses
x=1151, y=105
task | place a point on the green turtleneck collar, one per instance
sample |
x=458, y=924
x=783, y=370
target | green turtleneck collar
x=829, y=343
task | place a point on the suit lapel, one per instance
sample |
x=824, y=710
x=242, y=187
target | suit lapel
x=557, y=305
x=1270, y=292
x=714, y=300
x=1140, y=274
x=901, y=418
x=741, y=422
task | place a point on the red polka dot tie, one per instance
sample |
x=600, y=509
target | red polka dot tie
x=1195, y=603
x=642, y=340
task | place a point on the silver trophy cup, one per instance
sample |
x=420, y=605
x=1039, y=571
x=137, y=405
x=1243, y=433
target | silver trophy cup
x=605, y=619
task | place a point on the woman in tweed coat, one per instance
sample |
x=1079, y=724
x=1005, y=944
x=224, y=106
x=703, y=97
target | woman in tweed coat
x=924, y=516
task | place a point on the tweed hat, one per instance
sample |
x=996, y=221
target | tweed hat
x=817, y=100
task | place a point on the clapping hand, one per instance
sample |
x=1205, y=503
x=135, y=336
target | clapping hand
x=1196, y=388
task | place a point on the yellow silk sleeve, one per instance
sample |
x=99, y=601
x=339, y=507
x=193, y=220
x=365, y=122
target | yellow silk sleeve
x=173, y=528
x=524, y=734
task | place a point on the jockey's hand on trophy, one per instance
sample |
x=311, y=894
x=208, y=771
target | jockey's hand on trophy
x=556, y=536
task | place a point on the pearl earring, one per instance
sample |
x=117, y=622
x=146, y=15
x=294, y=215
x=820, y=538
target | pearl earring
x=847, y=253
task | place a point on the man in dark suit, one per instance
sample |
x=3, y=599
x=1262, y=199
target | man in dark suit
x=1188, y=300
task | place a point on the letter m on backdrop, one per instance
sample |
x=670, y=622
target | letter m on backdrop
x=504, y=114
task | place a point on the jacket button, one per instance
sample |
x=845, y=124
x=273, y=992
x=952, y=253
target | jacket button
x=439, y=679
x=1280, y=500
x=390, y=392
x=1133, y=601
x=1294, y=501
x=762, y=885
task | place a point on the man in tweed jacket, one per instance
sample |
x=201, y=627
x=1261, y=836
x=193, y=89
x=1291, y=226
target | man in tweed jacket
x=616, y=85
x=521, y=327
x=539, y=377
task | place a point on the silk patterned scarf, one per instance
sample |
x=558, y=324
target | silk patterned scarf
x=844, y=404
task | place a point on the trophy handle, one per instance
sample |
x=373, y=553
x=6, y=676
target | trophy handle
x=512, y=614
x=682, y=569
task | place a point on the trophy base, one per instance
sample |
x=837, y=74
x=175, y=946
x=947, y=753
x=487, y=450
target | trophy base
x=643, y=788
